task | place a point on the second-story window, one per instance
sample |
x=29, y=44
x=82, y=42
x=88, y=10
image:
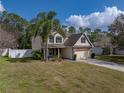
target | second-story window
x=58, y=39
x=83, y=40
x=51, y=39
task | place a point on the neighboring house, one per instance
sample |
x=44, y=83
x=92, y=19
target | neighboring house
x=77, y=45
x=119, y=51
x=97, y=50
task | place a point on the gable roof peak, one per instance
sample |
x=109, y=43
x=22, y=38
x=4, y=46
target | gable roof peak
x=72, y=39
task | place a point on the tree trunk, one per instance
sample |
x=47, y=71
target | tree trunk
x=111, y=51
x=44, y=54
x=41, y=52
x=47, y=51
x=58, y=53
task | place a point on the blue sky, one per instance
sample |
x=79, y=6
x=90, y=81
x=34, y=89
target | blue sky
x=64, y=8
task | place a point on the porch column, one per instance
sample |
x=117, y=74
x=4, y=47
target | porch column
x=58, y=53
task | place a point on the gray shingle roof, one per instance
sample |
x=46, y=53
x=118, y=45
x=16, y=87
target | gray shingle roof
x=72, y=39
x=54, y=46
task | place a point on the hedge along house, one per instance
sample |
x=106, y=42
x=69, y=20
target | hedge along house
x=75, y=46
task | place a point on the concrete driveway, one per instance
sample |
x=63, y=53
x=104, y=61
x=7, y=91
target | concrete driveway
x=106, y=64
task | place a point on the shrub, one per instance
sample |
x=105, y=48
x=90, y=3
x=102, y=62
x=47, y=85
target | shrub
x=106, y=51
x=37, y=55
x=55, y=58
x=93, y=55
x=74, y=57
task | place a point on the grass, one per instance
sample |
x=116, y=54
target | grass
x=3, y=60
x=116, y=59
x=64, y=77
x=10, y=60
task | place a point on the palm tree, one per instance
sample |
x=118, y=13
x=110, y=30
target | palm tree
x=43, y=25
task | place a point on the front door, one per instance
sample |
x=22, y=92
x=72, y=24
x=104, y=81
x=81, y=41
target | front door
x=50, y=52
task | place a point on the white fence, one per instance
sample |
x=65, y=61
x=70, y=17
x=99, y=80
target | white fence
x=119, y=52
x=4, y=52
x=18, y=53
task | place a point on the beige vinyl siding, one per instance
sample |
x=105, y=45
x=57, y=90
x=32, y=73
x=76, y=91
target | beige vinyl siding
x=36, y=43
x=67, y=53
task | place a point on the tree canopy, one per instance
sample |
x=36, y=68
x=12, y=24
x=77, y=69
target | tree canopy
x=17, y=25
x=71, y=30
x=116, y=30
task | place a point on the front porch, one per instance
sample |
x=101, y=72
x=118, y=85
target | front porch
x=54, y=52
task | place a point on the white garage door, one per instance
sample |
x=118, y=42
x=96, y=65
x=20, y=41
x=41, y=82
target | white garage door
x=81, y=55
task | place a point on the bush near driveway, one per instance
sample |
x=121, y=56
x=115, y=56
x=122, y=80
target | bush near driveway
x=116, y=59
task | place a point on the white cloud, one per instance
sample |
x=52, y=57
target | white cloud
x=1, y=7
x=96, y=19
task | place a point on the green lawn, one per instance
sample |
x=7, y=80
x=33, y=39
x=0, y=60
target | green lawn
x=116, y=59
x=52, y=77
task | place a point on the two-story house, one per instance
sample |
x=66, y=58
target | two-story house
x=77, y=45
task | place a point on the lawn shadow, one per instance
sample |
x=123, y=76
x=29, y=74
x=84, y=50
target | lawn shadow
x=22, y=60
